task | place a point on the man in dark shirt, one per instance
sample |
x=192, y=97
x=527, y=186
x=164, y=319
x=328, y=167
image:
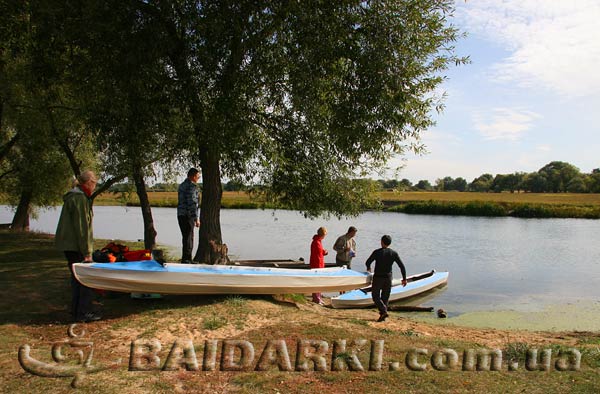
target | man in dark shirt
x=382, y=277
x=187, y=213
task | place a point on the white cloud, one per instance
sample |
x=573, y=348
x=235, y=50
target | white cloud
x=503, y=123
x=552, y=43
x=543, y=148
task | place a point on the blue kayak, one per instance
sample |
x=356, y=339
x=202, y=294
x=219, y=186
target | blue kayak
x=417, y=284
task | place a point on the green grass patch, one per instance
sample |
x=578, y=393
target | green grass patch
x=409, y=333
x=214, y=322
x=591, y=357
x=235, y=301
x=516, y=352
x=360, y=322
x=251, y=380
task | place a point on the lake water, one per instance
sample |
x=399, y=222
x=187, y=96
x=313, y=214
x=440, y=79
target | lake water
x=494, y=263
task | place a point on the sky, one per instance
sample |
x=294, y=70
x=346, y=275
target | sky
x=530, y=95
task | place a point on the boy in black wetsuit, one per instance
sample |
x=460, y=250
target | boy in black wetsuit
x=382, y=277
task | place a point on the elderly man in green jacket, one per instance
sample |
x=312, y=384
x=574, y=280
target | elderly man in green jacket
x=74, y=236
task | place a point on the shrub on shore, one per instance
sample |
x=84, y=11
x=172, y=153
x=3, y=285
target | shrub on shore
x=497, y=209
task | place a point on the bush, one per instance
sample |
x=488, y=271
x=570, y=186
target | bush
x=472, y=208
x=497, y=209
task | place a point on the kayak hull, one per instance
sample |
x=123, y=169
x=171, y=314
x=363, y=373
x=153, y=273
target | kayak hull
x=151, y=277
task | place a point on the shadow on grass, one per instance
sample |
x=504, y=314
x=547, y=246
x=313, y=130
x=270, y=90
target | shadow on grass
x=35, y=286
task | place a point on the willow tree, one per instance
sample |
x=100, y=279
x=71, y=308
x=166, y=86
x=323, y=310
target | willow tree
x=33, y=172
x=124, y=87
x=302, y=96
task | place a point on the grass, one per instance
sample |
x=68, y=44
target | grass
x=360, y=322
x=231, y=200
x=214, y=322
x=235, y=301
x=409, y=333
x=34, y=297
x=169, y=199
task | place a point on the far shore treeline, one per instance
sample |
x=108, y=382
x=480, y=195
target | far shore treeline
x=557, y=190
x=554, y=177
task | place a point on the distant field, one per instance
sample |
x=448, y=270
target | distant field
x=169, y=199
x=389, y=198
x=532, y=198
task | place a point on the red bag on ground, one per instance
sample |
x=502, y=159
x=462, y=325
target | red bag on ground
x=137, y=255
x=115, y=248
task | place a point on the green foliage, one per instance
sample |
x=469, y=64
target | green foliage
x=554, y=177
x=164, y=187
x=37, y=108
x=535, y=182
x=559, y=174
x=533, y=211
x=449, y=184
x=483, y=183
x=423, y=185
x=302, y=96
x=474, y=208
x=593, y=181
x=393, y=184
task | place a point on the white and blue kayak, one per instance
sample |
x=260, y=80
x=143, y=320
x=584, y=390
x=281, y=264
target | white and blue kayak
x=152, y=277
x=417, y=284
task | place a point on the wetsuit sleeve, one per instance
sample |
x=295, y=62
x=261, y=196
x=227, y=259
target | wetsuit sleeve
x=401, y=265
x=370, y=260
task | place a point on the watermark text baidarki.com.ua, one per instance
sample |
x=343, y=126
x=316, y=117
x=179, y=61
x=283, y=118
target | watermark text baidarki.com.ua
x=74, y=357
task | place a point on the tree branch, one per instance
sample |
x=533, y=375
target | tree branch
x=4, y=149
x=6, y=173
x=63, y=144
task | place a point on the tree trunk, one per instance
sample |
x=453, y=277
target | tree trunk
x=210, y=212
x=140, y=186
x=21, y=219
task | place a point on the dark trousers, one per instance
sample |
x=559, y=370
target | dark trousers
x=81, y=296
x=381, y=288
x=341, y=263
x=186, y=225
